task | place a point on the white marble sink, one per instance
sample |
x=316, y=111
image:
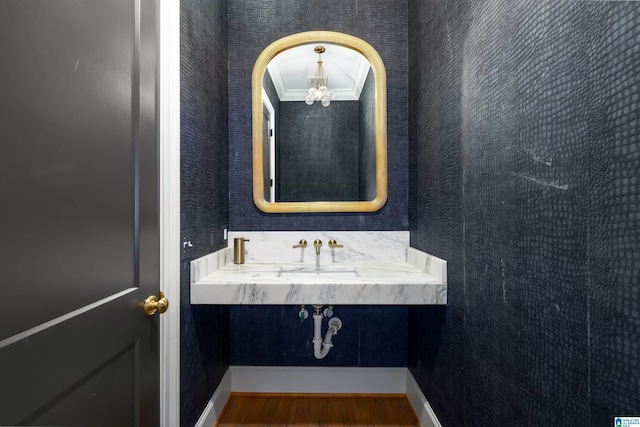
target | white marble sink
x=328, y=272
x=372, y=268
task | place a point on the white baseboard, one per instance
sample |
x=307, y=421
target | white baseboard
x=215, y=406
x=293, y=379
x=419, y=402
x=279, y=379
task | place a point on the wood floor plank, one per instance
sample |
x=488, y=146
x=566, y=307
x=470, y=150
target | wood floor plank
x=364, y=412
x=342, y=411
x=383, y=410
x=285, y=407
x=311, y=413
x=317, y=410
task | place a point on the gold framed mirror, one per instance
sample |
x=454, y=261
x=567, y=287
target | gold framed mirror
x=308, y=156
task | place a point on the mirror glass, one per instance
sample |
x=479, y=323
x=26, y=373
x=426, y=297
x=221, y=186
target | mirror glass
x=326, y=153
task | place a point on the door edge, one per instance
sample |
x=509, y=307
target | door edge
x=169, y=162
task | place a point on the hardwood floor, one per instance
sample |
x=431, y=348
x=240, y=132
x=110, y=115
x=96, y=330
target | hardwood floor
x=312, y=410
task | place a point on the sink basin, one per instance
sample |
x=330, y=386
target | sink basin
x=328, y=273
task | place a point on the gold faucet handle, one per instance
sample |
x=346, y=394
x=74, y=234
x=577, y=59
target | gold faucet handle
x=334, y=244
x=301, y=244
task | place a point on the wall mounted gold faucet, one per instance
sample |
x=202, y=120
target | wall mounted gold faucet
x=317, y=244
x=334, y=244
x=301, y=244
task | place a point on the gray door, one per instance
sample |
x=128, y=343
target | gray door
x=79, y=237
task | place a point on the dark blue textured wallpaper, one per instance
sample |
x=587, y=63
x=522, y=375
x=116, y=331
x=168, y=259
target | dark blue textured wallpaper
x=371, y=336
x=525, y=129
x=367, y=153
x=304, y=142
x=436, y=334
x=253, y=25
x=204, y=333
x=522, y=144
x=269, y=335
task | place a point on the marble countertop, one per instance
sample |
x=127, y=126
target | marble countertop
x=411, y=278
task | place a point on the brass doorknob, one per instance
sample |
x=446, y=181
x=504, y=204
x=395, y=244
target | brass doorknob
x=153, y=304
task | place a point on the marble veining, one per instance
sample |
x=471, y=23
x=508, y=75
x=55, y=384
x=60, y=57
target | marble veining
x=372, y=268
x=359, y=246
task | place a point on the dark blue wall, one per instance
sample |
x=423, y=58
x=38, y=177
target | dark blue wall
x=522, y=146
x=253, y=25
x=274, y=336
x=436, y=334
x=316, y=161
x=204, y=332
x=367, y=144
x=525, y=129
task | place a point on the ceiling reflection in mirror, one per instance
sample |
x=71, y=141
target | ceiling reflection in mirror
x=323, y=156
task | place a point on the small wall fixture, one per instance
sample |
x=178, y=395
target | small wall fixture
x=319, y=90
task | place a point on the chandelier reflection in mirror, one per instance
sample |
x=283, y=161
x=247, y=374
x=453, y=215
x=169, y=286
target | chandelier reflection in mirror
x=319, y=90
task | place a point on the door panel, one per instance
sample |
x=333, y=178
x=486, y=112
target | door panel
x=79, y=228
x=84, y=404
x=66, y=157
x=49, y=365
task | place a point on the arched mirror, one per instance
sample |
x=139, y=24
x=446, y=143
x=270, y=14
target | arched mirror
x=319, y=125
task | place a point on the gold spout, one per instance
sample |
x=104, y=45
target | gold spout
x=334, y=244
x=317, y=244
x=301, y=244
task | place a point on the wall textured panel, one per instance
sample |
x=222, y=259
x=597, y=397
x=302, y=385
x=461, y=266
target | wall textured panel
x=544, y=302
x=323, y=158
x=367, y=156
x=436, y=344
x=204, y=351
x=204, y=125
x=525, y=226
x=204, y=334
x=371, y=336
x=613, y=254
x=253, y=25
